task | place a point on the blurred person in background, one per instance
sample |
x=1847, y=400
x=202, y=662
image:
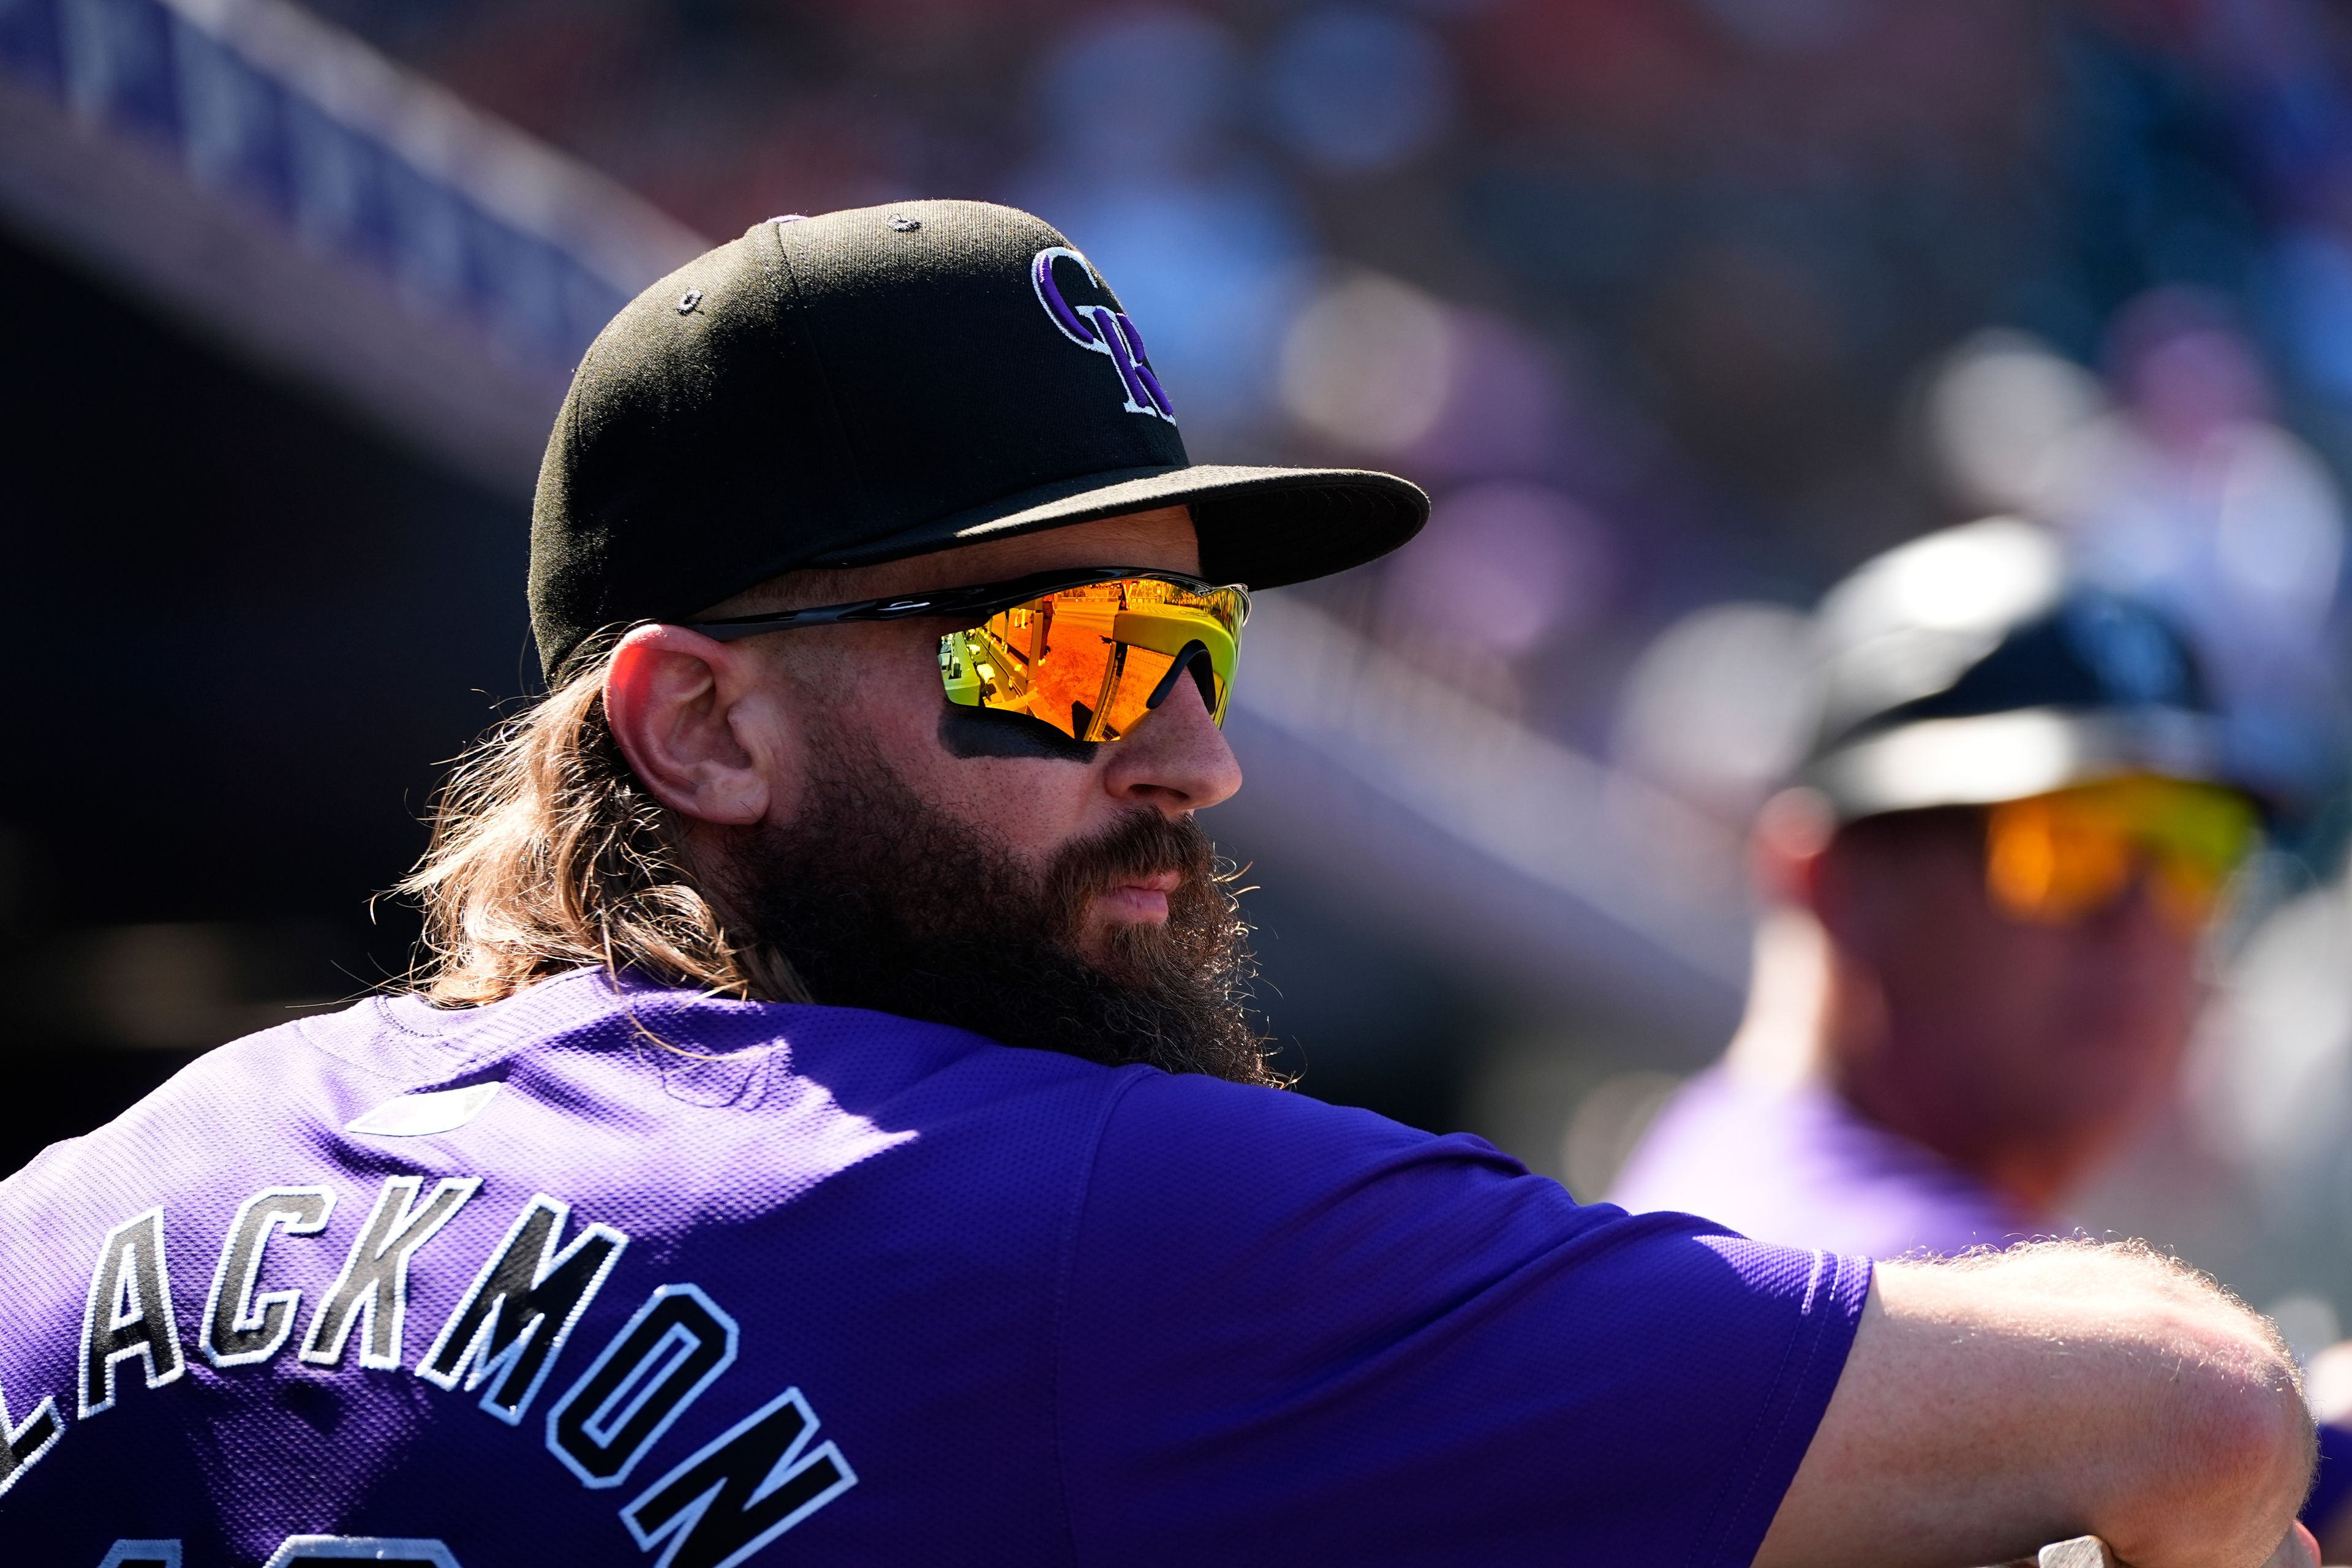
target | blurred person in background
x=1976, y=969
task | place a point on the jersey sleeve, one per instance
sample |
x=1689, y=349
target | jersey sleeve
x=1293, y=1333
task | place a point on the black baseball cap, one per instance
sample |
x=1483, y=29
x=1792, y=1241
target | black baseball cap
x=1973, y=665
x=847, y=389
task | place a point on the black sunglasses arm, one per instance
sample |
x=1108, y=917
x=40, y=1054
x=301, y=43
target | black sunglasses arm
x=979, y=598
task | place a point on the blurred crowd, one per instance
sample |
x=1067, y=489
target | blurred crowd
x=1660, y=298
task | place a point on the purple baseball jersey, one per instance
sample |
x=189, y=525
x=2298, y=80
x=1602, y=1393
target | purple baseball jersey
x=1797, y=1165
x=609, y=1274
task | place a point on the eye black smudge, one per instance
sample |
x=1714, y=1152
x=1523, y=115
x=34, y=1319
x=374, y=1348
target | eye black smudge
x=986, y=732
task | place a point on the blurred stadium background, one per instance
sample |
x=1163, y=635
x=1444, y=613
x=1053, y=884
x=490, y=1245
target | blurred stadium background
x=1681, y=308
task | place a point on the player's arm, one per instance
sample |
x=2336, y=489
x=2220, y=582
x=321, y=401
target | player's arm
x=1994, y=1404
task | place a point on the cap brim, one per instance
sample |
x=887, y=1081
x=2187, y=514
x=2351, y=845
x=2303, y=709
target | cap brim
x=1993, y=757
x=1261, y=526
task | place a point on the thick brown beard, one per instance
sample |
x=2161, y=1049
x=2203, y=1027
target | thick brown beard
x=880, y=900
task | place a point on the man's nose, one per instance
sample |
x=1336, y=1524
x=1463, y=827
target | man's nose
x=1176, y=760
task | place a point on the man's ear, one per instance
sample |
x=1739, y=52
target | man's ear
x=702, y=725
x=1788, y=846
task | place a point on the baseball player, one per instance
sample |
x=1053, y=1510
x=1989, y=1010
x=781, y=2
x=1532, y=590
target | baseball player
x=830, y=1133
x=1988, y=895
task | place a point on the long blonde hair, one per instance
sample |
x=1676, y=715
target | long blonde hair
x=547, y=854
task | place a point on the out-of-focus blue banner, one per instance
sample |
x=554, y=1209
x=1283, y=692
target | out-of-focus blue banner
x=277, y=110
x=282, y=122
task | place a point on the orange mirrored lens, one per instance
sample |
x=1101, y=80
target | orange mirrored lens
x=1091, y=662
x=1127, y=700
x=2060, y=857
x=2047, y=864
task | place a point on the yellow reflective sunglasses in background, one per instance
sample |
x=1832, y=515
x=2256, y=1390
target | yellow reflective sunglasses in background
x=1088, y=652
x=2061, y=856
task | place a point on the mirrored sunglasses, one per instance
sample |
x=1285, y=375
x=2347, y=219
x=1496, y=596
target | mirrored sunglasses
x=2063, y=857
x=1088, y=653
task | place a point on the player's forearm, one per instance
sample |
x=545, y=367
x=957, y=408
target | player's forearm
x=2232, y=1502
x=1992, y=1405
x=2170, y=1416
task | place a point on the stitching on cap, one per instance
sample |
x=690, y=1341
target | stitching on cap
x=837, y=433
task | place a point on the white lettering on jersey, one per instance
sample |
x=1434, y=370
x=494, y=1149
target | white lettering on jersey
x=240, y=1328
x=660, y=1362
x=715, y=1509
x=130, y=1312
x=512, y=1324
x=373, y=1286
x=740, y=1490
x=22, y=1448
x=376, y=1549
x=142, y=1554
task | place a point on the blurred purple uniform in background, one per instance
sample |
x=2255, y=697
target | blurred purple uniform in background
x=1796, y=1165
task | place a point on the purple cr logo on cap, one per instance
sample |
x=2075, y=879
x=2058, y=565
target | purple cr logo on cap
x=1101, y=329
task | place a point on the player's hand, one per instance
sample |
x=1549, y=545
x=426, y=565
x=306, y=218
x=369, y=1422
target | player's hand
x=2298, y=1551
